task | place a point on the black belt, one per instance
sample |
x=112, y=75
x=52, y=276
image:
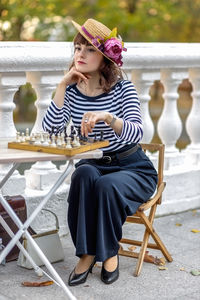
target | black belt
x=108, y=158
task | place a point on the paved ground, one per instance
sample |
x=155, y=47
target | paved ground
x=175, y=283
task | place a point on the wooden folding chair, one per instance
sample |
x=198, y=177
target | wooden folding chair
x=147, y=220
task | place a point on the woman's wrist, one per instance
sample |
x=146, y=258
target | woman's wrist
x=110, y=119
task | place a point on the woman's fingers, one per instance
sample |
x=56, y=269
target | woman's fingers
x=88, y=122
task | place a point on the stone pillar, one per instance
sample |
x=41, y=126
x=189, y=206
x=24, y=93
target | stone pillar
x=193, y=120
x=44, y=84
x=169, y=124
x=9, y=84
x=143, y=80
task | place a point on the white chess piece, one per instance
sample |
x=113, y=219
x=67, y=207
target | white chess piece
x=68, y=146
x=41, y=137
x=27, y=138
x=45, y=138
x=23, y=138
x=37, y=139
x=18, y=138
x=53, y=141
x=59, y=141
x=32, y=138
x=78, y=141
x=63, y=141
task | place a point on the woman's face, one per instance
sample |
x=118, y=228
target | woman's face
x=87, y=59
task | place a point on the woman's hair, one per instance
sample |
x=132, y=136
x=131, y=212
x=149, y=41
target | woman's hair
x=109, y=72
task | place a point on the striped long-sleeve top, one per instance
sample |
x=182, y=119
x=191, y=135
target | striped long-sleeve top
x=121, y=101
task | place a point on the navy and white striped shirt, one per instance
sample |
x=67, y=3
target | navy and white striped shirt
x=121, y=101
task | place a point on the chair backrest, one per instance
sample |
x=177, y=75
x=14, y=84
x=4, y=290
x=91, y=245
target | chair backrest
x=160, y=149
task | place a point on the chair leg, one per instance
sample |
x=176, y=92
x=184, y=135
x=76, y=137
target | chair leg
x=142, y=254
x=155, y=236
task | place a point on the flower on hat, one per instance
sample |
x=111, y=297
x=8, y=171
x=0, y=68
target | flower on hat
x=112, y=46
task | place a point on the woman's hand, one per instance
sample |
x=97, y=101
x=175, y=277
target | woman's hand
x=74, y=76
x=90, y=118
x=70, y=77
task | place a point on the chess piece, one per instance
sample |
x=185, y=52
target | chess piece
x=57, y=131
x=45, y=139
x=68, y=145
x=37, y=139
x=53, y=141
x=78, y=141
x=23, y=138
x=73, y=132
x=101, y=136
x=52, y=131
x=32, y=138
x=63, y=141
x=59, y=141
x=75, y=142
x=27, y=138
x=65, y=132
x=18, y=138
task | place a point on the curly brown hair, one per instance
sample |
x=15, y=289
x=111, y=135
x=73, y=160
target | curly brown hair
x=109, y=72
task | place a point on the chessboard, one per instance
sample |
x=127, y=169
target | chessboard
x=56, y=144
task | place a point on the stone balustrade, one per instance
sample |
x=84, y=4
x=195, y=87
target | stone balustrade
x=43, y=65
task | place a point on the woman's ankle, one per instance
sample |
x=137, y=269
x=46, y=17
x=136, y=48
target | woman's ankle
x=110, y=264
x=84, y=263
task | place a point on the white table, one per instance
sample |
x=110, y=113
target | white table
x=16, y=157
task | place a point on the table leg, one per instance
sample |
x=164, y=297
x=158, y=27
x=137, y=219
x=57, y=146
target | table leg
x=37, y=269
x=10, y=172
x=23, y=228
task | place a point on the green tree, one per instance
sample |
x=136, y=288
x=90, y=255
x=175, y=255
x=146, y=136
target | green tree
x=137, y=20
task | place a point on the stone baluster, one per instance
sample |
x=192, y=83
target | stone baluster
x=193, y=120
x=143, y=80
x=169, y=124
x=9, y=84
x=44, y=84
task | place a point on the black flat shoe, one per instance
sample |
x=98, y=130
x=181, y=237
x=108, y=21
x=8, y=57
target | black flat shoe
x=76, y=279
x=110, y=277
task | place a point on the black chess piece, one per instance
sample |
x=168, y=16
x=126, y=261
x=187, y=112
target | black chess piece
x=65, y=132
x=52, y=131
x=95, y=137
x=101, y=136
x=79, y=132
x=57, y=131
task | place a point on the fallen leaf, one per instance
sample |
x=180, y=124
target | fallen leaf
x=132, y=248
x=178, y=224
x=154, y=260
x=162, y=268
x=182, y=269
x=195, y=230
x=36, y=284
x=195, y=272
x=162, y=261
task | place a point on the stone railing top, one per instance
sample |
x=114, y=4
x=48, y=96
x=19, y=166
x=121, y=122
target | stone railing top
x=55, y=56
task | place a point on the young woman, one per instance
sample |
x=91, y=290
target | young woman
x=104, y=191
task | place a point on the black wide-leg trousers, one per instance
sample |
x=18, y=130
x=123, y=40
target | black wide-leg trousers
x=100, y=198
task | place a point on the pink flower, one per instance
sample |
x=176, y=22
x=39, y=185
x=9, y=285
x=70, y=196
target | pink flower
x=113, y=49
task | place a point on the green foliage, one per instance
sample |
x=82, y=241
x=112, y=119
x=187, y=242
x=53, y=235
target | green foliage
x=137, y=20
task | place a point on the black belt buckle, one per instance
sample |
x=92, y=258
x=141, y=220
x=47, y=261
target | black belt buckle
x=107, y=159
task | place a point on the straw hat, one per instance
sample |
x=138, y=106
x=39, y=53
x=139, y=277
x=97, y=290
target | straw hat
x=103, y=39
